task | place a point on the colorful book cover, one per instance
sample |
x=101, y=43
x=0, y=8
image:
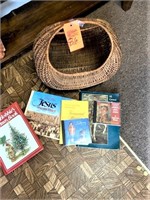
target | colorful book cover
x=107, y=112
x=76, y=131
x=73, y=109
x=97, y=96
x=18, y=141
x=108, y=127
x=104, y=136
x=43, y=112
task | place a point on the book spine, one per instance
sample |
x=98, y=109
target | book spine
x=94, y=111
x=63, y=132
x=80, y=95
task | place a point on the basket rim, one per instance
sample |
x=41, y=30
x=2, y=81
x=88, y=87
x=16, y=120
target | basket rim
x=87, y=21
x=64, y=81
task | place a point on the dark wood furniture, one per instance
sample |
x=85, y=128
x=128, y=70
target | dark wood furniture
x=20, y=27
x=126, y=5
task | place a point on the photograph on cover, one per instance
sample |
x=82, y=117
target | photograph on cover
x=43, y=124
x=100, y=133
x=47, y=130
x=103, y=113
x=94, y=97
x=77, y=131
x=16, y=142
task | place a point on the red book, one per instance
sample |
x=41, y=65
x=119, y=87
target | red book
x=18, y=141
x=107, y=112
x=115, y=114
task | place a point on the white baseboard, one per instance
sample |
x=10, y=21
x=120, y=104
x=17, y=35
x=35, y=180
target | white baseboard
x=142, y=164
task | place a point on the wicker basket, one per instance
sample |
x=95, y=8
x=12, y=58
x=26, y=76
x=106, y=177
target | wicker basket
x=61, y=69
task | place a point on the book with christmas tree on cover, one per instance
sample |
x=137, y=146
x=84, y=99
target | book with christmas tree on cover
x=73, y=109
x=18, y=141
x=76, y=131
x=43, y=113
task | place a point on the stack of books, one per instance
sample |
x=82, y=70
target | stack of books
x=93, y=121
x=105, y=119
